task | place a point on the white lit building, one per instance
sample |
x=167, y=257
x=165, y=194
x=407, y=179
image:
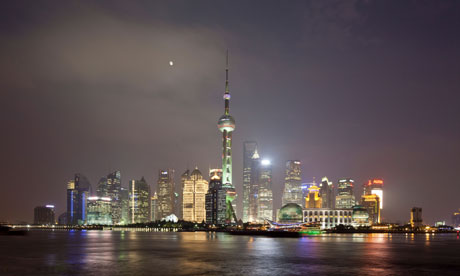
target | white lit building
x=328, y=218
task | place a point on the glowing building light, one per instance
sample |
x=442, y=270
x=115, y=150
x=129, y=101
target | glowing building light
x=49, y=206
x=266, y=162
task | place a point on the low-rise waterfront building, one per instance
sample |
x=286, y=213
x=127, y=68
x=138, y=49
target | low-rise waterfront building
x=328, y=218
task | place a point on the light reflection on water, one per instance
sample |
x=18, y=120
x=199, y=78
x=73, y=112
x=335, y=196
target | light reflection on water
x=169, y=253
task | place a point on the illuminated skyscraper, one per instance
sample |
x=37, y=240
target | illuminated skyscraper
x=249, y=148
x=124, y=195
x=265, y=196
x=154, y=207
x=345, y=198
x=99, y=211
x=254, y=188
x=226, y=125
x=375, y=187
x=110, y=187
x=78, y=191
x=292, y=183
x=44, y=215
x=416, y=217
x=372, y=203
x=194, y=198
x=179, y=206
x=216, y=201
x=166, y=196
x=139, y=201
x=326, y=192
x=313, y=200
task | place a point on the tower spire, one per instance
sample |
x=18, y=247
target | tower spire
x=227, y=92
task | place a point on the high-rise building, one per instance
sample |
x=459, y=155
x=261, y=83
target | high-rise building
x=313, y=200
x=110, y=186
x=326, y=192
x=154, y=207
x=99, y=211
x=416, y=220
x=125, y=217
x=216, y=202
x=165, y=192
x=456, y=218
x=265, y=196
x=372, y=203
x=139, y=201
x=78, y=191
x=375, y=187
x=345, y=198
x=292, y=184
x=44, y=215
x=249, y=148
x=194, y=197
x=226, y=125
x=178, y=208
x=254, y=187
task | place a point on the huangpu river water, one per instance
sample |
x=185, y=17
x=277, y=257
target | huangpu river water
x=200, y=253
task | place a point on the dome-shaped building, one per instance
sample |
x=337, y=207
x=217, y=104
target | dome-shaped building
x=360, y=216
x=290, y=213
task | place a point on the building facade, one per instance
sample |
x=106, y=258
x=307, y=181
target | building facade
x=313, y=199
x=345, y=198
x=165, y=192
x=254, y=187
x=292, y=183
x=372, y=204
x=328, y=218
x=110, y=186
x=44, y=215
x=456, y=218
x=326, y=192
x=249, y=148
x=416, y=220
x=78, y=191
x=194, y=197
x=216, y=206
x=139, y=201
x=154, y=207
x=265, y=195
x=375, y=187
x=99, y=211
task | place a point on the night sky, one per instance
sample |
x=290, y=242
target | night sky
x=357, y=89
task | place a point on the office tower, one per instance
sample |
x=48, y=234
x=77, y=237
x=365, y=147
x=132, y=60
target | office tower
x=226, y=125
x=249, y=148
x=154, y=207
x=265, y=196
x=124, y=197
x=292, y=184
x=216, y=201
x=305, y=187
x=326, y=192
x=416, y=217
x=110, y=186
x=78, y=191
x=372, y=203
x=99, y=211
x=44, y=215
x=254, y=187
x=313, y=200
x=165, y=191
x=194, y=197
x=178, y=207
x=345, y=198
x=375, y=187
x=139, y=201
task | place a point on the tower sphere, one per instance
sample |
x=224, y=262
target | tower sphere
x=226, y=122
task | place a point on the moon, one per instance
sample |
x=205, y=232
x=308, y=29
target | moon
x=171, y=63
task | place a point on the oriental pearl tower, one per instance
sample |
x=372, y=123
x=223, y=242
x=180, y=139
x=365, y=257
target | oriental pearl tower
x=226, y=125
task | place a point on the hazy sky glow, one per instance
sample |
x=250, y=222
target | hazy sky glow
x=357, y=89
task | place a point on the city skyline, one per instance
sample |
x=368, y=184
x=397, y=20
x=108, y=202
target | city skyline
x=372, y=108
